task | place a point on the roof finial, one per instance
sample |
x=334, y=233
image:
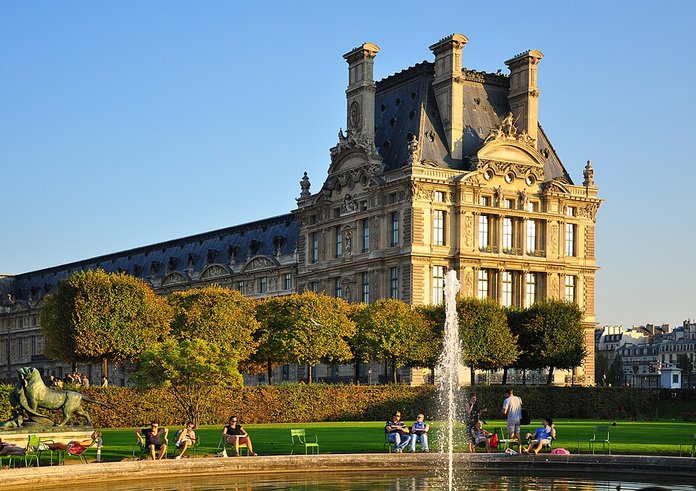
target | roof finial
x=588, y=174
x=305, y=185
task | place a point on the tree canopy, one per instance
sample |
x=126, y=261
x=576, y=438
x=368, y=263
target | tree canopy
x=98, y=316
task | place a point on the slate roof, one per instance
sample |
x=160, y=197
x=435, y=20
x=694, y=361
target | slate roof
x=271, y=237
x=405, y=106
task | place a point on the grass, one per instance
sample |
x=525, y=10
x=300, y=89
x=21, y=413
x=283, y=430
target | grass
x=645, y=438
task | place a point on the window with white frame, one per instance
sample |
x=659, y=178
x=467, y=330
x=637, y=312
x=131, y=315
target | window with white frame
x=439, y=227
x=394, y=282
x=365, y=235
x=507, y=233
x=439, y=196
x=337, y=288
x=483, y=283
x=438, y=284
x=394, y=229
x=263, y=284
x=288, y=281
x=483, y=232
x=531, y=236
x=314, y=247
x=240, y=286
x=506, y=278
x=313, y=286
x=339, y=242
x=366, y=288
x=570, y=288
x=570, y=239
x=531, y=289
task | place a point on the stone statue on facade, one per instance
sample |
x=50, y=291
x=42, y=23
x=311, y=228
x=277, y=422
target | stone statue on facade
x=304, y=186
x=413, y=151
x=588, y=174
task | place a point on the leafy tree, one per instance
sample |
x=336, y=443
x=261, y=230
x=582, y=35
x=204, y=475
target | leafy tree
x=687, y=366
x=393, y=331
x=602, y=368
x=212, y=331
x=615, y=375
x=94, y=316
x=191, y=369
x=305, y=328
x=528, y=338
x=562, y=343
x=435, y=315
x=487, y=342
x=354, y=312
x=270, y=347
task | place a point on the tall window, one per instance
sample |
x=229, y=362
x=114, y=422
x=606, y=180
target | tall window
x=439, y=227
x=366, y=288
x=314, y=247
x=438, y=284
x=570, y=288
x=394, y=282
x=240, y=286
x=507, y=233
x=394, y=229
x=483, y=231
x=313, y=286
x=339, y=242
x=570, y=239
x=366, y=235
x=482, y=291
x=288, y=281
x=531, y=236
x=506, y=299
x=530, y=296
x=337, y=288
x=263, y=285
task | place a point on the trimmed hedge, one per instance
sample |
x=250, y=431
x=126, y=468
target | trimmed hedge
x=320, y=402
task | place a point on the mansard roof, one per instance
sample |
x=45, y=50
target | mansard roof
x=405, y=106
x=272, y=237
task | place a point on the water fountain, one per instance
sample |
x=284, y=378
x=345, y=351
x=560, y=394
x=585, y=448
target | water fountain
x=448, y=369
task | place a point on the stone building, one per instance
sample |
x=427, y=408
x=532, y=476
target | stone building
x=440, y=167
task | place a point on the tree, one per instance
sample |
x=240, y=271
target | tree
x=435, y=315
x=305, y=328
x=687, y=366
x=270, y=347
x=487, y=342
x=94, y=316
x=212, y=330
x=615, y=375
x=602, y=368
x=395, y=332
x=562, y=336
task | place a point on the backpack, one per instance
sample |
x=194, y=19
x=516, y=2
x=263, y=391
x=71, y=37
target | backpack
x=560, y=451
x=524, y=418
x=494, y=441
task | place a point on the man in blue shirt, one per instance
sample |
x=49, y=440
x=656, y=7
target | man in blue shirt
x=397, y=432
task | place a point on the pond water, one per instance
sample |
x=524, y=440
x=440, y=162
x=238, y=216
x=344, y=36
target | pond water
x=381, y=481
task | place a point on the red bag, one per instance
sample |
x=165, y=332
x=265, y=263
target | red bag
x=494, y=440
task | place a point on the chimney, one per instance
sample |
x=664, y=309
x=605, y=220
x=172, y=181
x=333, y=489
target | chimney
x=360, y=93
x=449, y=90
x=524, y=93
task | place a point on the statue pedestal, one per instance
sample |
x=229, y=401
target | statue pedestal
x=20, y=436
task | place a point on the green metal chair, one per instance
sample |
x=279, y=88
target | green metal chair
x=31, y=453
x=299, y=437
x=221, y=450
x=192, y=448
x=601, y=435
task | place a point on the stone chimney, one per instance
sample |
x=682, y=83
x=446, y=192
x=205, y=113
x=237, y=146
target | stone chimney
x=524, y=92
x=360, y=93
x=449, y=90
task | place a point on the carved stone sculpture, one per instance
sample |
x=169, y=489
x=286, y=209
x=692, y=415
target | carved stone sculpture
x=588, y=174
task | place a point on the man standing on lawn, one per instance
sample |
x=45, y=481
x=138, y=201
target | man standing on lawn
x=512, y=408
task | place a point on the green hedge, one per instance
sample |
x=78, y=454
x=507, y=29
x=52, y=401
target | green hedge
x=319, y=402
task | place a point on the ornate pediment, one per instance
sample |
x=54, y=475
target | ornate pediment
x=214, y=271
x=174, y=279
x=366, y=174
x=354, y=141
x=505, y=144
x=557, y=185
x=260, y=262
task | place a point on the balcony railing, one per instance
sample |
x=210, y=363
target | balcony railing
x=513, y=251
x=489, y=248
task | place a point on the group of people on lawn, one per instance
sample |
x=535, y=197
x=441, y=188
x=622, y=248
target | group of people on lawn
x=155, y=438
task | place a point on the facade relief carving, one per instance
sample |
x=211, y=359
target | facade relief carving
x=553, y=281
x=214, y=271
x=467, y=288
x=553, y=238
x=419, y=192
x=353, y=140
x=507, y=130
x=259, y=262
x=469, y=231
x=589, y=211
x=413, y=151
x=174, y=279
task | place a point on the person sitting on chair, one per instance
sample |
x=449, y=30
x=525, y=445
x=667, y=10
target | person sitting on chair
x=235, y=435
x=75, y=447
x=542, y=436
x=419, y=431
x=397, y=432
x=154, y=438
x=184, y=438
x=11, y=449
x=480, y=437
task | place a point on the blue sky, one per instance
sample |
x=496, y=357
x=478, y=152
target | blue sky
x=128, y=123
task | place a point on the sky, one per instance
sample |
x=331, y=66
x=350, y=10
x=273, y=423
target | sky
x=128, y=123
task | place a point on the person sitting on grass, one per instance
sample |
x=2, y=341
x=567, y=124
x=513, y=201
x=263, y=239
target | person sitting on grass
x=11, y=449
x=75, y=447
x=184, y=438
x=154, y=438
x=419, y=431
x=397, y=432
x=480, y=437
x=542, y=436
x=235, y=435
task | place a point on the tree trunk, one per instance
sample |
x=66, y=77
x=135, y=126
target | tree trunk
x=524, y=376
x=473, y=375
x=505, y=374
x=309, y=373
x=550, y=377
x=432, y=375
x=393, y=367
x=104, y=368
x=269, y=369
x=356, y=376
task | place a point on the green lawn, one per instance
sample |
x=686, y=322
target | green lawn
x=656, y=438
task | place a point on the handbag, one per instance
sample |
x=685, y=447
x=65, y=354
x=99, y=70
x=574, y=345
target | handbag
x=524, y=417
x=494, y=441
